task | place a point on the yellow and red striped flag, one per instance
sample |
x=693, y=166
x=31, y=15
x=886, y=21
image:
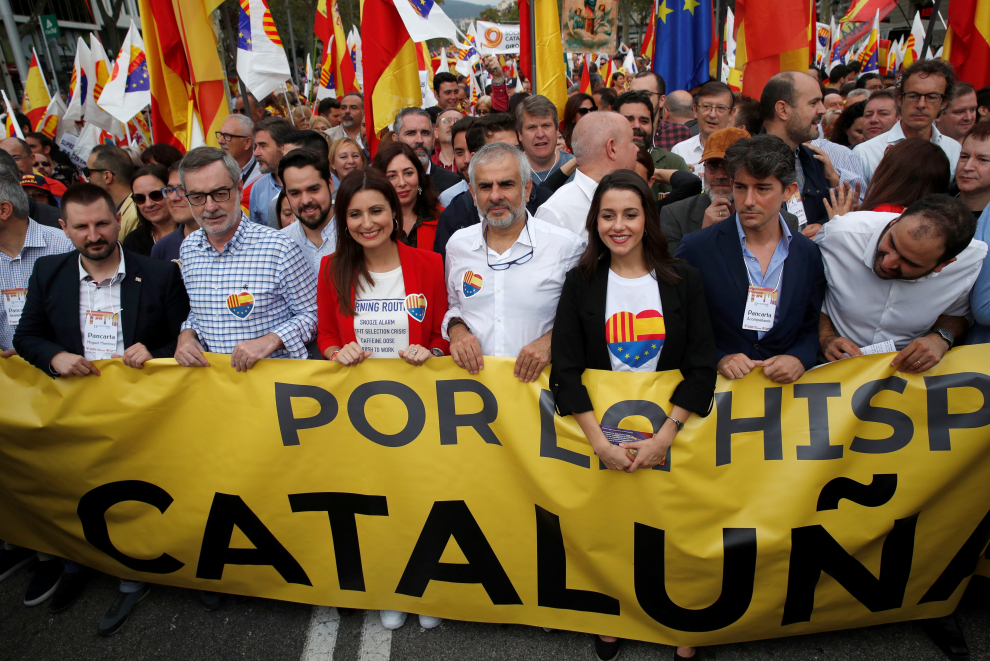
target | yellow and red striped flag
x=967, y=42
x=11, y=128
x=36, y=97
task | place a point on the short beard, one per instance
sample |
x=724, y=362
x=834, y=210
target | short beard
x=313, y=226
x=347, y=122
x=514, y=214
x=232, y=219
x=98, y=256
x=712, y=195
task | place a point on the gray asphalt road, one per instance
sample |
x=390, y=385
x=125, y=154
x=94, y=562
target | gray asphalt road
x=170, y=624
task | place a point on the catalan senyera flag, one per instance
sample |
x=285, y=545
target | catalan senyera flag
x=771, y=36
x=870, y=55
x=11, y=129
x=914, y=41
x=343, y=64
x=609, y=70
x=862, y=11
x=391, y=71
x=128, y=91
x=187, y=83
x=35, y=101
x=79, y=85
x=51, y=123
x=326, y=86
x=99, y=77
x=967, y=41
x=551, y=71
x=261, y=61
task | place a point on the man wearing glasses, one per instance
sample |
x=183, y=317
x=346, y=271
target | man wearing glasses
x=923, y=93
x=110, y=168
x=505, y=274
x=235, y=138
x=714, y=107
x=167, y=247
x=252, y=294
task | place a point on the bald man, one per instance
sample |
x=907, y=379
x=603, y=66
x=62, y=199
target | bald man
x=602, y=142
x=679, y=109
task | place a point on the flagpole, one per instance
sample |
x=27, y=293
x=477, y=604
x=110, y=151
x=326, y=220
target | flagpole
x=720, y=26
x=51, y=62
x=930, y=32
x=532, y=45
x=292, y=44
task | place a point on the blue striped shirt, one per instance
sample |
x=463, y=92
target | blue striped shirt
x=40, y=241
x=259, y=284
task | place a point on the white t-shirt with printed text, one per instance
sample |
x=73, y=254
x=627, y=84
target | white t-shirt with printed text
x=381, y=324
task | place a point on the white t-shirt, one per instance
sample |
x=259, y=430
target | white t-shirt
x=634, y=327
x=381, y=324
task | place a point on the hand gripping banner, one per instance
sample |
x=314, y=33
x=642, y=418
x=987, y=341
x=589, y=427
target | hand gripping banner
x=856, y=496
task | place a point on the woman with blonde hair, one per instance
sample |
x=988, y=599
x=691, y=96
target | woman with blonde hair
x=346, y=156
x=300, y=118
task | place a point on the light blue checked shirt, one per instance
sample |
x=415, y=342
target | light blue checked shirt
x=263, y=263
x=40, y=241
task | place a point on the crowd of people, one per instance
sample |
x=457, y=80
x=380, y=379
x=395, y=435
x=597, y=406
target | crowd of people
x=636, y=231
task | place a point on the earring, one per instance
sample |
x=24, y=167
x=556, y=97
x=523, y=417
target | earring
x=347, y=231
x=396, y=222
x=419, y=190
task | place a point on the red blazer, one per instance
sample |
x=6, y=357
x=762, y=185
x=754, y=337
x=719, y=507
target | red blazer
x=422, y=273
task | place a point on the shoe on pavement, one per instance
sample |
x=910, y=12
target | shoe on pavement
x=392, y=619
x=211, y=601
x=945, y=632
x=429, y=622
x=607, y=651
x=13, y=559
x=71, y=587
x=120, y=609
x=345, y=612
x=47, y=576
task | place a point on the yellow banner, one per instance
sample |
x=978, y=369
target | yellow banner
x=857, y=496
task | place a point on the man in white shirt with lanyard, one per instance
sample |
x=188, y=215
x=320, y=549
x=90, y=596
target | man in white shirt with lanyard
x=505, y=274
x=602, y=143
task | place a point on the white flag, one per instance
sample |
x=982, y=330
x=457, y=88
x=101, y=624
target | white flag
x=99, y=76
x=78, y=84
x=128, y=91
x=261, y=60
x=425, y=20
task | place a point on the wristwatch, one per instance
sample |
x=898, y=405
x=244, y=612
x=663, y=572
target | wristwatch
x=677, y=423
x=437, y=352
x=945, y=335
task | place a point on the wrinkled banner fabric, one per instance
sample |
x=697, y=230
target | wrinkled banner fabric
x=856, y=496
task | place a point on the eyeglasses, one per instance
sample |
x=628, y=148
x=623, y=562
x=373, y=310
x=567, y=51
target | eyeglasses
x=706, y=108
x=218, y=195
x=89, y=171
x=713, y=165
x=585, y=111
x=504, y=266
x=914, y=97
x=168, y=190
x=227, y=137
x=141, y=198
x=447, y=120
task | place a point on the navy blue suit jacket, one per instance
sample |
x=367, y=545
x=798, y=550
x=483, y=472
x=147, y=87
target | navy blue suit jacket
x=717, y=253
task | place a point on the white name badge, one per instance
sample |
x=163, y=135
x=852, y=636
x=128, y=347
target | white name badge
x=761, y=306
x=13, y=304
x=100, y=334
x=796, y=207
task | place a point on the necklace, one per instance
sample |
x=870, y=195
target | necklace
x=555, y=159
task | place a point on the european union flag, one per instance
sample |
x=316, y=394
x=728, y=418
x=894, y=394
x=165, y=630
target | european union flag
x=683, y=40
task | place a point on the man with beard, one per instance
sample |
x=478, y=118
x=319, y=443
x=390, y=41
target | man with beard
x=351, y=116
x=763, y=283
x=715, y=203
x=94, y=303
x=505, y=274
x=270, y=135
x=168, y=246
x=792, y=109
x=638, y=111
x=666, y=133
x=904, y=279
x=414, y=127
x=252, y=294
x=443, y=157
x=462, y=158
x=309, y=189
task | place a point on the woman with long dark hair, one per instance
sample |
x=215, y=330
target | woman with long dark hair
x=848, y=129
x=629, y=306
x=154, y=217
x=578, y=105
x=419, y=199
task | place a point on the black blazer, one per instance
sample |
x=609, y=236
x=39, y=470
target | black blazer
x=578, y=341
x=153, y=305
x=716, y=252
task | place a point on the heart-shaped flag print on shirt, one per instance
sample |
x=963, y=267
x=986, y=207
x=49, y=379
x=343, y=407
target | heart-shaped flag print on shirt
x=416, y=306
x=240, y=305
x=635, y=339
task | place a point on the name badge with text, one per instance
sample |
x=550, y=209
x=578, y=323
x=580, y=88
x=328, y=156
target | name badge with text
x=761, y=306
x=13, y=304
x=100, y=334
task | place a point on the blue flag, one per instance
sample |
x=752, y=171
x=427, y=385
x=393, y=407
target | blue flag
x=682, y=43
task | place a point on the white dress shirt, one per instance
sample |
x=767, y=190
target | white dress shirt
x=101, y=297
x=867, y=309
x=516, y=306
x=569, y=206
x=691, y=151
x=871, y=151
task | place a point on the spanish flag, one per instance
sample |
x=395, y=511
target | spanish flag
x=967, y=42
x=35, y=101
x=584, y=87
x=771, y=36
x=330, y=31
x=649, y=36
x=186, y=74
x=551, y=72
x=391, y=71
